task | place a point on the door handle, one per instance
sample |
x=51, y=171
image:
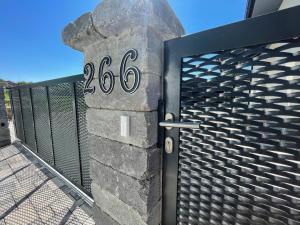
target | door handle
x=170, y=125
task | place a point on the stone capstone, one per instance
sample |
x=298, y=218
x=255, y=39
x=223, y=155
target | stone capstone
x=113, y=17
x=81, y=32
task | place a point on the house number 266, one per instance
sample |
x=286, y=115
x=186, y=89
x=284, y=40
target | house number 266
x=107, y=78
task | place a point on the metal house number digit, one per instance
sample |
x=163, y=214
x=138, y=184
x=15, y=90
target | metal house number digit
x=107, y=76
x=125, y=73
x=89, y=71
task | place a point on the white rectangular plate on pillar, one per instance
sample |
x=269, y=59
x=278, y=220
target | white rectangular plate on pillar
x=125, y=126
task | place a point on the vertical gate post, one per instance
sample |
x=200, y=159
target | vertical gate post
x=122, y=42
x=4, y=131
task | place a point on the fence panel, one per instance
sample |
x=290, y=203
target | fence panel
x=18, y=114
x=29, y=130
x=64, y=131
x=42, y=124
x=81, y=108
x=50, y=120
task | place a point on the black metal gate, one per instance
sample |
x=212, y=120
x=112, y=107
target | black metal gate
x=232, y=102
x=50, y=119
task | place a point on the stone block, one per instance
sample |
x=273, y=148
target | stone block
x=149, y=62
x=4, y=132
x=120, y=211
x=106, y=123
x=148, y=45
x=101, y=218
x=142, y=100
x=142, y=195
x=128, y=159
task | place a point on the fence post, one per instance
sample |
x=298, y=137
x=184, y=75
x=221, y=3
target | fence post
x=122, y=42
x=4, y=131
x=74, y=103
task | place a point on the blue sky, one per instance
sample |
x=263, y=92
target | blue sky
x=31, y=48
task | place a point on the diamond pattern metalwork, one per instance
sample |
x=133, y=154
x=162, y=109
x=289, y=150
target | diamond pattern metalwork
x=50, y=119
x=243, y=165
x=83, y=135
x=42, y=124
x=29, y=129
x=64, y=131
x=18, y=114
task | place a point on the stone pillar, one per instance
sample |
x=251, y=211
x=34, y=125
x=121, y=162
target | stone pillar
x=4, y=131
x=122, y=42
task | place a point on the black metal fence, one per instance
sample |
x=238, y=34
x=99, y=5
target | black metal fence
x=238, y=85
x=49, y=117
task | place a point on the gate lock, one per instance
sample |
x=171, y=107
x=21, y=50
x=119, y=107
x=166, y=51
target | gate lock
x=169, y=145
x=170, y=124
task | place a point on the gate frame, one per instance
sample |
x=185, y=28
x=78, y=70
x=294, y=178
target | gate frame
x=265, y=29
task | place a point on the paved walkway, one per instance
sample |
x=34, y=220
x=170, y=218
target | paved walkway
x=30, y=194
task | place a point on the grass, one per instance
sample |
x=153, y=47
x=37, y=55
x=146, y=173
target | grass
x=6, y=98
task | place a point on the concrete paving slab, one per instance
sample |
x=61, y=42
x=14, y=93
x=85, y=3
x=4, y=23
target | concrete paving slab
x=31, y=194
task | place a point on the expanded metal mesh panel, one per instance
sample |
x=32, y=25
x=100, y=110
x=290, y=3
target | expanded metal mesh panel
x=42, y=124
x=28, y=118
x=64, y=130
x=3, y=113
x=18, y=114
x=83, y=136
x=243, y=165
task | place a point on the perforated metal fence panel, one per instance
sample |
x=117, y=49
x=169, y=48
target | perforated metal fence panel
x=83, y=135
x=64, y=130
x=53, y=115
x=29, y=129
x=18, y=114
x=241, y=165
x=42, y=124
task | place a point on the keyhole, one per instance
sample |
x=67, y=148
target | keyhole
x=169, y=145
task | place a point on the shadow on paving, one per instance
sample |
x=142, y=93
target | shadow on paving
x=31, y=194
